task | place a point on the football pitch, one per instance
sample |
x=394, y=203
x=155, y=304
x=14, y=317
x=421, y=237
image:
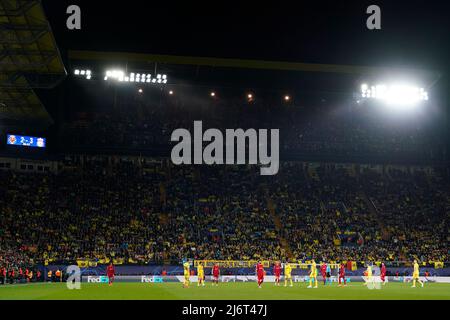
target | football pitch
x=225, y=291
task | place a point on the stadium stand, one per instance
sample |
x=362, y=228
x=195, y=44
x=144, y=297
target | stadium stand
x=139, y=212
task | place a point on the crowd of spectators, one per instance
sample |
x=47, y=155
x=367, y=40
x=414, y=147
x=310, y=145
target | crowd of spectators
x=148, y=211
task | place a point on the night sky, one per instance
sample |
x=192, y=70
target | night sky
x=414, y=33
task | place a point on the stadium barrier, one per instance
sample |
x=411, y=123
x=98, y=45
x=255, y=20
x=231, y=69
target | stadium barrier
x=174, y=270
x=250, y=278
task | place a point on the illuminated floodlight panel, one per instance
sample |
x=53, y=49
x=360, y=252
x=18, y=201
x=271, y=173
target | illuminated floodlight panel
x=119, y=75
x=396, y=94
x=83, y=73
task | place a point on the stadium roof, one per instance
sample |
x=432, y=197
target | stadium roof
x=239, y=63
x=29, y=59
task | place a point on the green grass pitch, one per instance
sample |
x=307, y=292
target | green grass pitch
x=225, y=291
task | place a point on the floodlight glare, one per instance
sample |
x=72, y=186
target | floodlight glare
x=171, y=92
x=133, y=77
x=287, y=98
x=395, y=94
x=77, y=72
x=213, y=94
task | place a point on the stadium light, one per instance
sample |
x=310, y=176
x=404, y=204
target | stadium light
x=395, y=94
x=83, y=72
x=120, y=76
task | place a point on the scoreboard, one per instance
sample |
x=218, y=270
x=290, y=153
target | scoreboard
x=25, y=141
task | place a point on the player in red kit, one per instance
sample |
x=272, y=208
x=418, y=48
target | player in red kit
x=110, y=273
x=383, y=274
x=342, y=275
x=216, y=274
x=277, y=273
x=260, y=273
x=323, y=272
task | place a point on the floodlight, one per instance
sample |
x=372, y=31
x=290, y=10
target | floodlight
x=171, y=92
x=395, y=94
x=77, y=72
x=165, y=81
x=83, y=72
x=287, y=98
x=213, y=94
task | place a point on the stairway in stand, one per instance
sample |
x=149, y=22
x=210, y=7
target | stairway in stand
x=278, y=227
x=374, y=212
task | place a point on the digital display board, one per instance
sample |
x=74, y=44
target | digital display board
x=25, y=141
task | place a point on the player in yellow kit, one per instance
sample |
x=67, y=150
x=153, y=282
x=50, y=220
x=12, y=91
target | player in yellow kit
x=415, y=276
x=200, y=275
x=187, y=280
x=313, y=275
x=287, y=274
x=368, y=274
